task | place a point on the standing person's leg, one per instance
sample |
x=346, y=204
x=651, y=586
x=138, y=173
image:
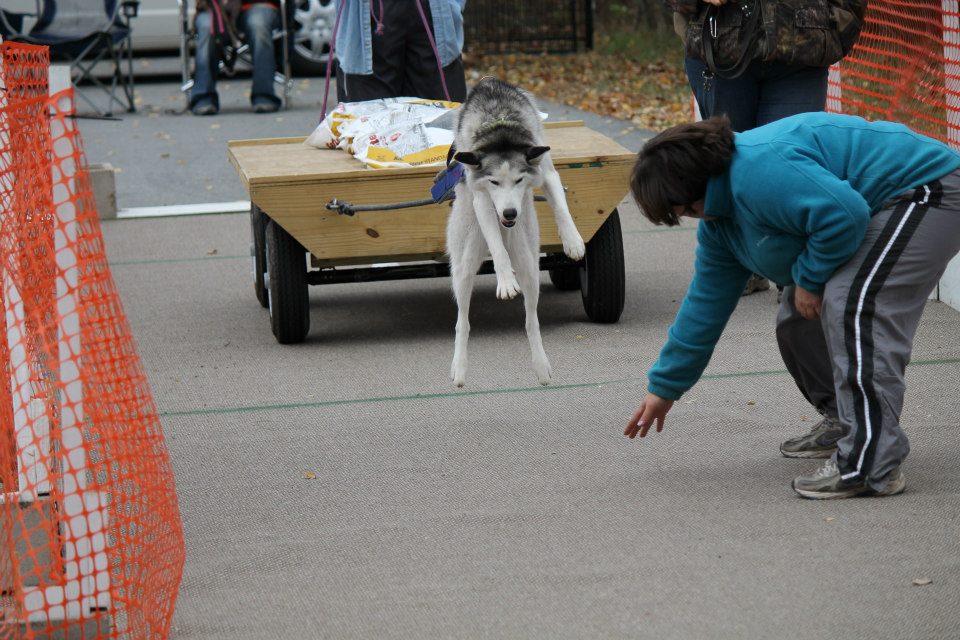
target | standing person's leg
x=389, y=36
x=421, y=75
x=788, y=90
x=871, y=308
x=804, y=350
x=736, y=98
x=203, y=96
x=258, y=24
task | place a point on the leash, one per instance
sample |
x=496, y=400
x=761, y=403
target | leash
x=441, y=191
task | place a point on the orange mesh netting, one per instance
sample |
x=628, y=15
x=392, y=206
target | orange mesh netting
x=91, y=543
x=905, y=67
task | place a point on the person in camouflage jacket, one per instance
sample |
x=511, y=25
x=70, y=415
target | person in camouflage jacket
x=808, y=33
x=788, y=75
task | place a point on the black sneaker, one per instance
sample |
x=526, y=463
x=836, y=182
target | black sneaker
x=825, y=484
x=265, y=106
x=820, y=442
x=204, y=109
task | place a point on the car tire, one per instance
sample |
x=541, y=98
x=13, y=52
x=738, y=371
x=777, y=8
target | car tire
x=312, y=30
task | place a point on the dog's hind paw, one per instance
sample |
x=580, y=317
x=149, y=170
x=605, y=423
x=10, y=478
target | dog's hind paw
x=458, y=375
x=543, y=371
x=574, y=247
x=508, y=287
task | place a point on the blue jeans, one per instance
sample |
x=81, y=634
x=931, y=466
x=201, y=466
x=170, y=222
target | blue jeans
x=765, y=92
x=257, y=24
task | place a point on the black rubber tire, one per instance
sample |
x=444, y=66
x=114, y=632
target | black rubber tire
x=287, y=284
x=565, y=278
x=602, y=273
x=258, y=224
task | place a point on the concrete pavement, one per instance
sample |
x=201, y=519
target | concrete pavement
x=506, y=509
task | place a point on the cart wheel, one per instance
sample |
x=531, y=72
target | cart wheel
x=602, y=276
x=565, y=278
x=258, y=224
x=287, y=286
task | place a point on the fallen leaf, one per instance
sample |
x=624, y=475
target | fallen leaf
x=309, y=475
x=829, y=519
x=919, y=582
x=751, y=402
x=579, y=337
x=212, y=252
x=164, y=155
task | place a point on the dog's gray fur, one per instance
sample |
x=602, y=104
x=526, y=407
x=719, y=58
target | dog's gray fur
x=499, y=138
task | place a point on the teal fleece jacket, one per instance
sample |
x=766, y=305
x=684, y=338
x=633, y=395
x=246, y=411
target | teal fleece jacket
x=793, y=206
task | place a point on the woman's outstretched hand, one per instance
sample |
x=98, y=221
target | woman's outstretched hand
x=653, y=408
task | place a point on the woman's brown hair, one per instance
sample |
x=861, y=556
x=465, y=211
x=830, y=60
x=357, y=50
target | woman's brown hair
x=673, y=167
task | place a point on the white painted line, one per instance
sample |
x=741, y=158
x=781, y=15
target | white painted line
x=238, y=206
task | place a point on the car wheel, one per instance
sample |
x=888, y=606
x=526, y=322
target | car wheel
x=312, y=29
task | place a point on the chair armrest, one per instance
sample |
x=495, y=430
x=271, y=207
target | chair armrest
x=130, y=8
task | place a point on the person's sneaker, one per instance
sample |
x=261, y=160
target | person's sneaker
x=265, y=106
x=754, y=284
x=204, y=109
x=825, y=484
x=819, y=442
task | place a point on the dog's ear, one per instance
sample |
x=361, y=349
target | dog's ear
x=467, y=157
x=534, y=153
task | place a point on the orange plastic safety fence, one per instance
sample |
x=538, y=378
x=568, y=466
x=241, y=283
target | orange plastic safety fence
x=905, y=67
x=91, y=543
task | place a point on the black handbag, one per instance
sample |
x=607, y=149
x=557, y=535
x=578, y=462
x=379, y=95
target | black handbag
x=728, y=37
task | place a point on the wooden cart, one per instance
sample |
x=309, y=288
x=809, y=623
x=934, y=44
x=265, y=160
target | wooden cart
x=291, y=185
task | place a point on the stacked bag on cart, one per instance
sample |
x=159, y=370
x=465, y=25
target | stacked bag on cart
x=390, y=132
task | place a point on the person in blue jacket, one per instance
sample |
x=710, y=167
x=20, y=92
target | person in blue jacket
x=857, y=220
x=393, y=48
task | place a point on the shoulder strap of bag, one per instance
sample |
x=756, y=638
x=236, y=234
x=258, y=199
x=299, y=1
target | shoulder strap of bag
x=750, y=29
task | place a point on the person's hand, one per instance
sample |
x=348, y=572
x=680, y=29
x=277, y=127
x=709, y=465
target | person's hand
x=807, y=304
x=653, y=408
x=717, y=3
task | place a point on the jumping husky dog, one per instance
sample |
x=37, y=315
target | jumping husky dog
x=499, y=139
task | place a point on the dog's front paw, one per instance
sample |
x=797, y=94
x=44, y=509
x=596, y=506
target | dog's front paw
x=573, y=246
x=507, y=287
x=541, y=367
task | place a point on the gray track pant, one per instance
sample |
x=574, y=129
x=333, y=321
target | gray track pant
x=850, y=364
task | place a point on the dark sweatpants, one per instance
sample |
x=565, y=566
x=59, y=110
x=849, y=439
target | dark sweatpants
x=404, y=63
x=851, y=362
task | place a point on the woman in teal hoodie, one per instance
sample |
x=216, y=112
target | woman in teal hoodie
x=858, y=221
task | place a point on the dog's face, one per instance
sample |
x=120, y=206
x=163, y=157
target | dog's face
x=505, y=177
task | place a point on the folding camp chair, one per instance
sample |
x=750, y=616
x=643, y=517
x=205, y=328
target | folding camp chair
x=84, y=33
x=230, y=56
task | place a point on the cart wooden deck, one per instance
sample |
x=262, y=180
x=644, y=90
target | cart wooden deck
x=292, y=183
